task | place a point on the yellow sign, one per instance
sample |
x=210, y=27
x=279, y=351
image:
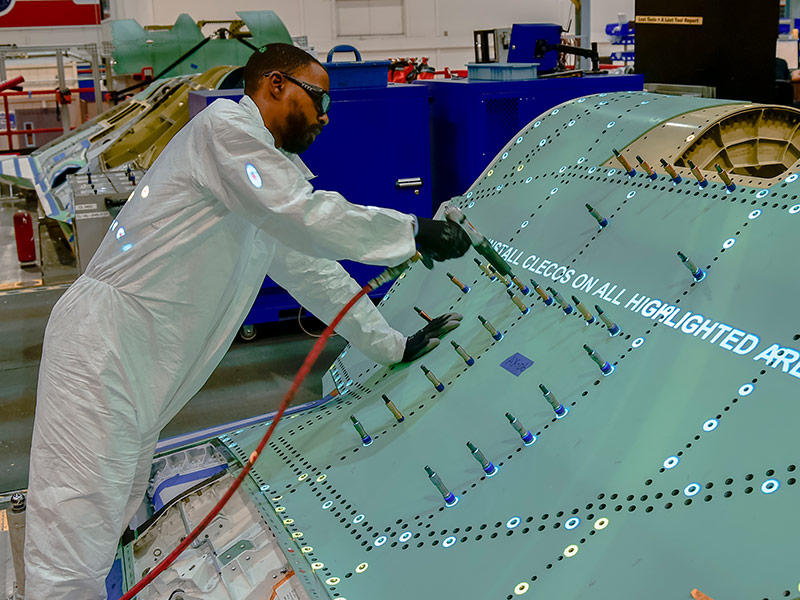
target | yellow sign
x=653, y=20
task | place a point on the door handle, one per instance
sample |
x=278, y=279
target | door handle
x=408, y=182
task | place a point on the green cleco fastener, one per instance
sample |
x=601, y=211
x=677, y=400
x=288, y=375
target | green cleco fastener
x=604, y=365
x=463, y=354
x=450, y=499
x=490, y=328
x=365, y=439
x=560, y=410
x=696, y=271
x=432, y=378
x=613, y=328
x=393, y=409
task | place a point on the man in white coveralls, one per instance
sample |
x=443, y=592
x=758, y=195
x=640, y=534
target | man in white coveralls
x=138, y=334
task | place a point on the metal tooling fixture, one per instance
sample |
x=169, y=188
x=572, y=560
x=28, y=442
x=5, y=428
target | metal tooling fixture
x=97, y=199
x=161, y=48
x=676, y=473
x=132, y=133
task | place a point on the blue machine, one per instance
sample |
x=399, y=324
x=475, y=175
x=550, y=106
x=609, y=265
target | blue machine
x=472, y=121
x=375, y=151
x=524, y=38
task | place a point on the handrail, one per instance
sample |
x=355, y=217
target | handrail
x=9, y=133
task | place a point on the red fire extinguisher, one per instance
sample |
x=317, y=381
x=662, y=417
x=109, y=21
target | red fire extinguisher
x=23, y=234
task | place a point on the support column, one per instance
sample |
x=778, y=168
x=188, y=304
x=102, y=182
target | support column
x=62, y=83
x=98, y=94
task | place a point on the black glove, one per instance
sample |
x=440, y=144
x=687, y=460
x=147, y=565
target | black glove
x=440, y=240
x=427, y=338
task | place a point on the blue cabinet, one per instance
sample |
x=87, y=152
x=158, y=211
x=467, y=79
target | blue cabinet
x=472, y=121
x=375, y=151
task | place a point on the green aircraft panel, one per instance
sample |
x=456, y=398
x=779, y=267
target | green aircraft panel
x=674, y=472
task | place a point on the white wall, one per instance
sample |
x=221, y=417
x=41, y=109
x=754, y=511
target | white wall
x=439, y=29
x=49, y=36
x=605, y=12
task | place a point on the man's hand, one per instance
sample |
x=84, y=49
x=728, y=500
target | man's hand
x=440, y=240
x=427, y=338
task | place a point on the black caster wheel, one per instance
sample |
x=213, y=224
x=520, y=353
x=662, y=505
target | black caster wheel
x=247, y=333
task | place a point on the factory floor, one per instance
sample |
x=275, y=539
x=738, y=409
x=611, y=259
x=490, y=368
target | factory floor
x=249, y=381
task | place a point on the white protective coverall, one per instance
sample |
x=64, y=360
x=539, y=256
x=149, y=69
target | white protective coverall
x=135, y=337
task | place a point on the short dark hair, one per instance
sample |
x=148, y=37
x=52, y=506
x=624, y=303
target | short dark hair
x=274, y=57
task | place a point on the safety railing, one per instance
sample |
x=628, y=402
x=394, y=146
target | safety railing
x=10, y=133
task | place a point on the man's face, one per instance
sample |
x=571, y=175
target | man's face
x=303, y=121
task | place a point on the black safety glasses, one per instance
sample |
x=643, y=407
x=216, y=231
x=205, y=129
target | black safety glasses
x=321, y=98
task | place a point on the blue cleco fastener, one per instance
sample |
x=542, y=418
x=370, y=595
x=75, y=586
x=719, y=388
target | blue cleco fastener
x=729, y=185
x=487, y=466
x=527, y=437
x=602, y=221
x=463, y=353
x=450, y=499
x=651, y=174
x=393, y=409
x=589, y=317
x=701, y=179
x=497, y=335
x=605, y=367
x=519, y=303
x=462, y=287
x=432, y=378
x=522, y=287
x=696, y=271
x=613, y=328
x=673, y=174
x=629, y=170
x=565, y=306
x=365, y=438
x=560, y=410
x=542, y=294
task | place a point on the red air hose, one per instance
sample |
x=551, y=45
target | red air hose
x=298, y=379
